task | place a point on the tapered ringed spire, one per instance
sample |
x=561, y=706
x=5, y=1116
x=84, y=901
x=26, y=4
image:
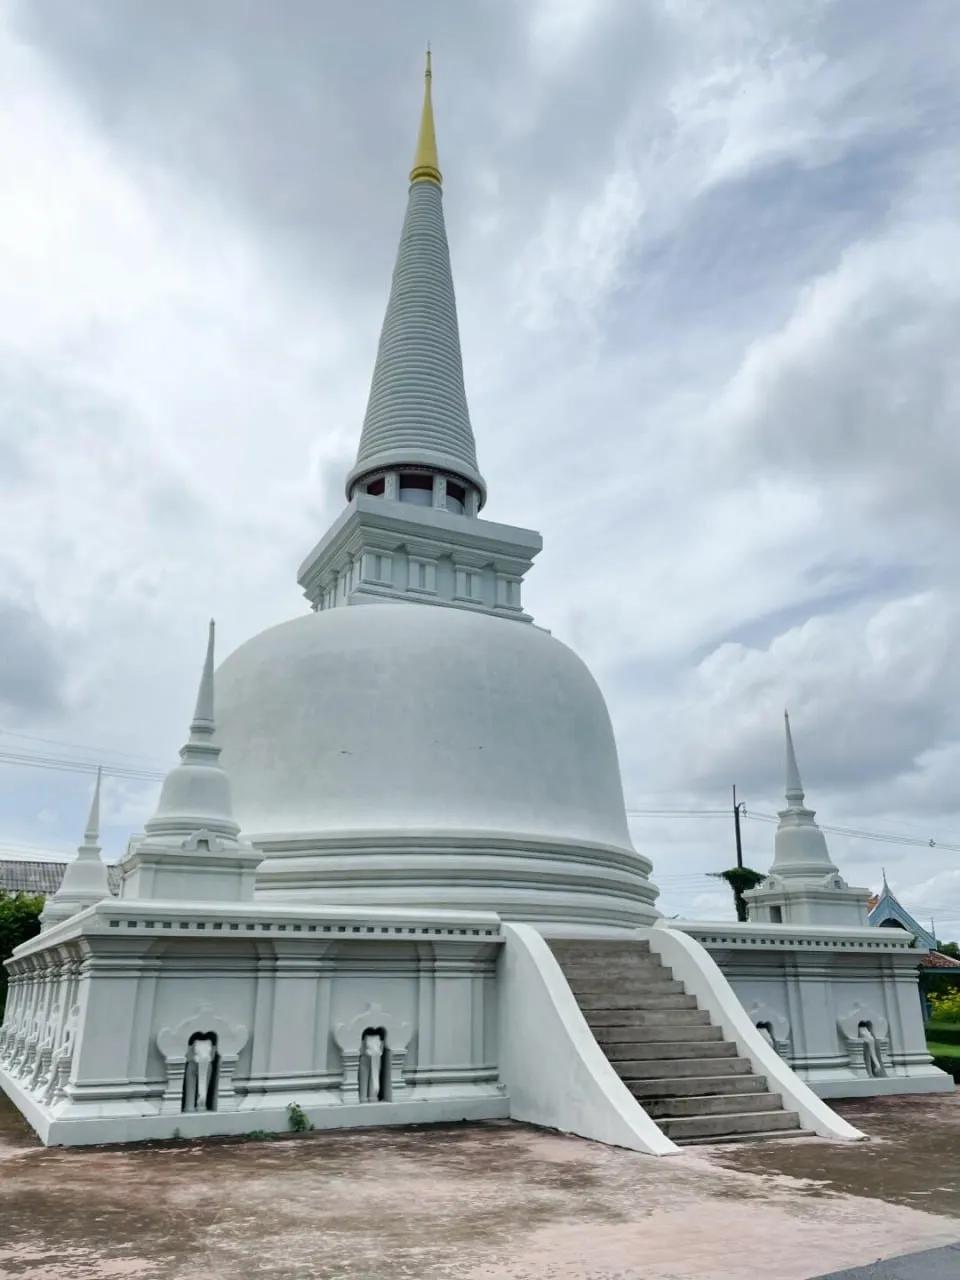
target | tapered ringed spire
x=417, y=414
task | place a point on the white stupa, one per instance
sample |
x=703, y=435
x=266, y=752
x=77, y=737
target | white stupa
x=85, y=880
x=804, y=885
x=416, y=741
x=390, y=881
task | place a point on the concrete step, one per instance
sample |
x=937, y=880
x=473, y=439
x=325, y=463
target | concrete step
x=664, y=1068
x=689, y=1086
x=640, y=963
x=621, y=999
x=764, y=1136
x=639, y=1029
x=740, y=1122
x=632, y=987
x=596, y=948
x=623, y=1053
x=664, y=1017
x=691, y=1037
x=638, y=980
x=712, y=1104
x=651, y=999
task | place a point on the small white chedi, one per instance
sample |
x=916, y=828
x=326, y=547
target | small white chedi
x=85, y=880
x=390, y=879
x=804, y=886
x=837, y=999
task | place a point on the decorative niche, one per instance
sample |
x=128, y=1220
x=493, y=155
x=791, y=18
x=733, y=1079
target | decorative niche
x=373, y=1048
x=773, y=1026
x=201, y=1053
x=865, y=1035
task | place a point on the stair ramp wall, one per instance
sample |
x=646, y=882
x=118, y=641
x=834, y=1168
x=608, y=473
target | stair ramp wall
x=692, y=965
x=554, y=1071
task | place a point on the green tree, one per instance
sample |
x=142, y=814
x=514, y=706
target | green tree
x=19, y=920
x=941, y=982
x=740, y=879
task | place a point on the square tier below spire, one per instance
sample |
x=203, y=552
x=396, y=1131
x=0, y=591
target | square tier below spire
x=385, y=550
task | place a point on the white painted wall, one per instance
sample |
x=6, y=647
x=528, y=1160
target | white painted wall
x=96, y=1034
x=819, y=980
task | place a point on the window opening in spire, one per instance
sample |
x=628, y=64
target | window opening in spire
x=417, y=489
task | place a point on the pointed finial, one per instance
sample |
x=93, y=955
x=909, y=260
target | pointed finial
x=92, y=833
x=85, y=879
x=885, y=885
x=794, y=785
x=203, y=715
x=195, y=795
x=426, y=165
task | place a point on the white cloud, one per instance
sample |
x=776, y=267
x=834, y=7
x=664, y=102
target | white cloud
x=858, y=389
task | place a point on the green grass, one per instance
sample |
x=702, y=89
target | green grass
x=945, y=1053
x=943, y=1033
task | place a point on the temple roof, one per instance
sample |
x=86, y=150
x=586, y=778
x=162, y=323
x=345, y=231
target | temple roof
x=886, y=909
x=417, y=410
x=37, y=876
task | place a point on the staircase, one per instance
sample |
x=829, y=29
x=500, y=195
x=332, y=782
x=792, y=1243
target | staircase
x=664, y=1048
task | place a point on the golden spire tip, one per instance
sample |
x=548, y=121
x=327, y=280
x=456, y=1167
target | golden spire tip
x=426, y=165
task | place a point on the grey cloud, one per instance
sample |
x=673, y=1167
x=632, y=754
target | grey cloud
x=303, y=120
x=870, y=394
x=32, y=674
x=870, y=689
x=834, y=589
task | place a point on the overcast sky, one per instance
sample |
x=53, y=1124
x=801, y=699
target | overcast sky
x=707, y=261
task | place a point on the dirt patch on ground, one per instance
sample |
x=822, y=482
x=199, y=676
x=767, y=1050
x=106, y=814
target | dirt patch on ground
x=475, y=1202
x=913, y=1159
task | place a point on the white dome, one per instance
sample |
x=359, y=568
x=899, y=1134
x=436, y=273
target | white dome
x=418, y=755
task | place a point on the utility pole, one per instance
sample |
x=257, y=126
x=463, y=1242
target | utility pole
x=736, y=826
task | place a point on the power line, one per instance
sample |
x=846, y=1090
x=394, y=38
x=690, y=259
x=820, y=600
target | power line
x=676, y=813
x=854, y=833
x=20, y=847
x=66, y=765
x=60, y=764
x=80, y=746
